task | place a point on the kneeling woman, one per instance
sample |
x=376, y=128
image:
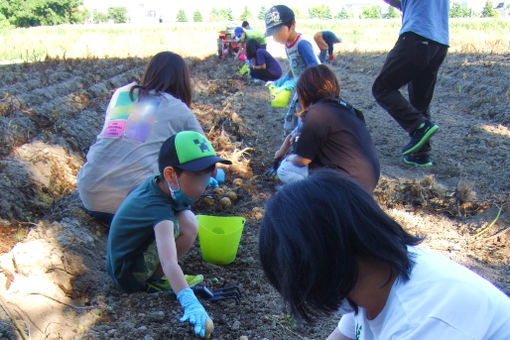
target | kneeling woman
x=262, y=64
x=332, y=134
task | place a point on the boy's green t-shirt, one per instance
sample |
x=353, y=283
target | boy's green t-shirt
x=257, y=35
x=132, y=231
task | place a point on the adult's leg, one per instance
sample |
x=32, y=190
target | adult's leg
x=188, y=231
x=404, y=62
x=421, y=88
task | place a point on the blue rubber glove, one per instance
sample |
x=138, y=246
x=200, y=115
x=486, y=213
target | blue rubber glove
x=213, y=183
x=220, y=176
x=282, y=80
x=194, y=312
x=288, y=85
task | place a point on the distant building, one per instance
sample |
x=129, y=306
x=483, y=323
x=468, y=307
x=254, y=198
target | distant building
x=138, y=11
x=502, y=8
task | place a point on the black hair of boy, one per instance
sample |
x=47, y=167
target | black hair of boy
x=245, y=24
x=312, y=233
x=252, y=46
x=166, y=72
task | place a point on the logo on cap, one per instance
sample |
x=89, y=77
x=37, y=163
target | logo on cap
x=203, y=145
x=273, y=17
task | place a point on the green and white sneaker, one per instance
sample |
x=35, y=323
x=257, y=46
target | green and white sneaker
x=422, y=160
x=419, y=137
x=161, y=283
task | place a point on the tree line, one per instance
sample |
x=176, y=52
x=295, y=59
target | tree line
x=26, y=13
x=324, y=12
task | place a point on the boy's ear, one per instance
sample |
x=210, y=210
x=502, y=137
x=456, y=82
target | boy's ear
x=169, y=174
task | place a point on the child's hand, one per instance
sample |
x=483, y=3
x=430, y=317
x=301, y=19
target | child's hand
x=288, y=85
x=281, y=81
x=194, y=312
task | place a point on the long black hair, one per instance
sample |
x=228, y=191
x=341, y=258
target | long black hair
x=252, y=46
x=166, y=72
x=312, y=234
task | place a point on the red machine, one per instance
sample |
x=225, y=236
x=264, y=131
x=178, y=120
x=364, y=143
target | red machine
x=227, y=45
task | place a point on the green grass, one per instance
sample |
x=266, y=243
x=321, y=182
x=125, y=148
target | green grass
x=199, y=39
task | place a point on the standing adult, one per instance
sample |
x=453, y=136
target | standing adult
x=414, y=60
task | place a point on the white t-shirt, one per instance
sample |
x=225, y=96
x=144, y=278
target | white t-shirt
x=442, y=300
x=126, y=151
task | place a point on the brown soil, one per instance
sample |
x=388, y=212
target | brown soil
x=52, y=283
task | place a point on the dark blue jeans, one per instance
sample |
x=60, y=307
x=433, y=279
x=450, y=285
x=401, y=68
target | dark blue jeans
x=415, y=61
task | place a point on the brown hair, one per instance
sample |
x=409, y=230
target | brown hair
x=166, y=72
x=315, y=83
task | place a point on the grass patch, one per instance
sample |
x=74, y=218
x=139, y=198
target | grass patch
x=200, y=39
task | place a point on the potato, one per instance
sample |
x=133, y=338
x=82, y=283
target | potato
x=225, y=202
x=237, y=182
x=219, y=191
x=209, y=326
x=232, y=195
x=209, y=200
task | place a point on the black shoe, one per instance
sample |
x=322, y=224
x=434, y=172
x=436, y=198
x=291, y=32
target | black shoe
x=422, y=160
x=420, y=136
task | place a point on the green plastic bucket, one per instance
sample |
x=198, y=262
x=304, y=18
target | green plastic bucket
x=279, y=99
x=219, y=237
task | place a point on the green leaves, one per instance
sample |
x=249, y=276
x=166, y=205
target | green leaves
x=39, y=12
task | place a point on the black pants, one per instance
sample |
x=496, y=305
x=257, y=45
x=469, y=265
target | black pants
x=415, y=61
x=262, y=74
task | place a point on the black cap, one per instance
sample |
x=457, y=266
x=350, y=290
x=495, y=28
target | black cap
x=276, y=17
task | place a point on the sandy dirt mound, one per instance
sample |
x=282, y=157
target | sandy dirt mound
x=52, y=281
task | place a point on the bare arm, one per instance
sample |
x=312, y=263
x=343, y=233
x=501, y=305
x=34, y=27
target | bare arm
x=395, y=3
x=284, y=147
x=336, y=335
x=167, y=253
x=262, y=67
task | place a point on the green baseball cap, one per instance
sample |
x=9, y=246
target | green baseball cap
x=190, y=151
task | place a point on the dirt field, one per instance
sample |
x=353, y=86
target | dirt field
x=52, y=281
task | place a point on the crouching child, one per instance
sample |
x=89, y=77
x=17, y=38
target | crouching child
x=154, y=226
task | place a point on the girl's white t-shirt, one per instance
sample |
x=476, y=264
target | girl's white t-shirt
x=442, y=300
